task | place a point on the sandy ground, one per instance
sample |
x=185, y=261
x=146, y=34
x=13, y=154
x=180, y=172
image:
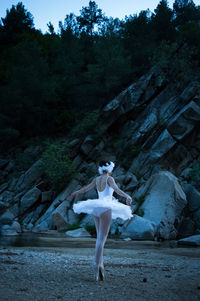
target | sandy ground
x=133, y=270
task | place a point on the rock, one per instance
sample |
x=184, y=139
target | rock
x=164, y=203
x=88, y=220
x=73, y=143
x=14, y=209
x=34, y=151
x=29, y=226
x=46, y=196
x=16, y=227
x=59, y=216
x=162, y=145
x=81, y=232
x=6, y=218
x=3, y=206
x=77, y=161
x=7, y=230
x=72, y=217
x=186, y=173
x=47, y=216
x=187, y=227
x=42, y=227
x=91, y=194
x=7, y=196
x=193, y=240
x=10, y=166
x=87, y=145
x=3, y=187
x=36, y=213
x=133, y=183
x=30, y=177
x=29, y=199
x=196, y=218
x=193, y=197
x=139, y=228
x=148, y=123
x=184, y=121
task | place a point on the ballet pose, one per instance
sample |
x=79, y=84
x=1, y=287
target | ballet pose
x=103, y=209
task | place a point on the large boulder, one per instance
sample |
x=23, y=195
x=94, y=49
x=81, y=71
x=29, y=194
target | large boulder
x=164, y=203
x=193, y=240
x=30, y=177
x=139, y=228
x=29, y=199
x=6, y=218
x=193, y=197
x=59, y=216
x=46, y=218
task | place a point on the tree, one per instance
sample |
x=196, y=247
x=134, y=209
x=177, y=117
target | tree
x=185, y=11
x=161, y=22
x=17, y=19
x=90, y=16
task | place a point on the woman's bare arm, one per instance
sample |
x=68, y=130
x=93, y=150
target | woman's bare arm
x=83, y=189
x=112, y=184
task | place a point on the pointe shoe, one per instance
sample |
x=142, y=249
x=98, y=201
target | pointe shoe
x=101, y=273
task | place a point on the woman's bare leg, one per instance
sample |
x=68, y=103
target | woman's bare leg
x=103, y=225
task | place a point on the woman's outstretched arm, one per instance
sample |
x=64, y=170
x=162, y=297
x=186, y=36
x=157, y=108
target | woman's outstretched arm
x=112, y=184
x=83, y=189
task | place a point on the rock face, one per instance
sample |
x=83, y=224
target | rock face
x=139, y=228
x=164, y=203
x=151, y=131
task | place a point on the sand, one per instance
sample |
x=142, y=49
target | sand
x=133, y=271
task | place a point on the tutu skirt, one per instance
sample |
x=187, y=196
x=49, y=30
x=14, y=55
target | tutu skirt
x=98, y=206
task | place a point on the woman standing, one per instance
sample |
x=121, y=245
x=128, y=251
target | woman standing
x=104, y=209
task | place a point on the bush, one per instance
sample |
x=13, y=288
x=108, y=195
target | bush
x=91, y=229
x=56, y=164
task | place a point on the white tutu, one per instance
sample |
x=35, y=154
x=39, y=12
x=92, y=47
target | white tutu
x=98, y=206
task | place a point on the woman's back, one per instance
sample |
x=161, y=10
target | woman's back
x=103, y=189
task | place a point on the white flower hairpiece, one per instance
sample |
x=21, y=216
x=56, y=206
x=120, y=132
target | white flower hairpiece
x=108, y=167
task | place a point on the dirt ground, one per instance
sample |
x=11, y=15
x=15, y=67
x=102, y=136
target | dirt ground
x=133, y=271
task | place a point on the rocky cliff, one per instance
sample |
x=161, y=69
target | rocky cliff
x=151, y=131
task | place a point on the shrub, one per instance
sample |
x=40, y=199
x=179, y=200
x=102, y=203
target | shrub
x=91, y=229
x=56, y=164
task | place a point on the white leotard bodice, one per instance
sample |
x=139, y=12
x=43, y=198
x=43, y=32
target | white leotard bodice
x=107, y=192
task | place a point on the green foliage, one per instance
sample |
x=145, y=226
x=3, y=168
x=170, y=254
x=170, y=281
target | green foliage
x=71, y=227
x=91, y=229
x=17, y=19
x=56, y=164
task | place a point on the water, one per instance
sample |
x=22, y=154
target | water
x=56, y=239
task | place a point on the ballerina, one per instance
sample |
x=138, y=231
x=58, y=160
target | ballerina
x=103, y=209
